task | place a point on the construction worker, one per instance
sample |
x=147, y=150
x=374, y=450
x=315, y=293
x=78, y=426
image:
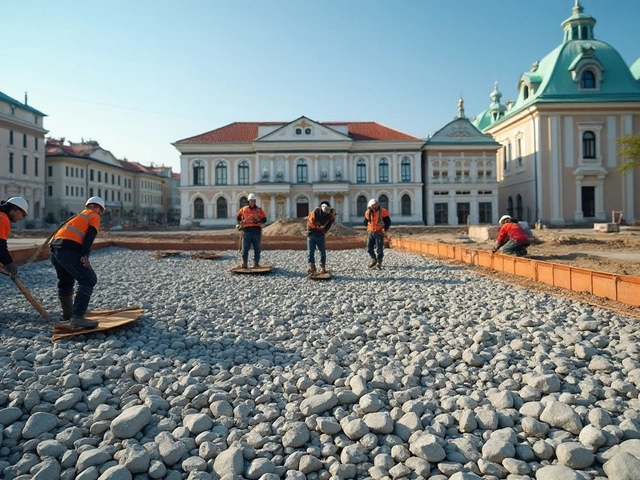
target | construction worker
x=11, y=211
x=377, y=221
x=512, y=238
x=249, y=220
x=70, y=250
x=319, y=222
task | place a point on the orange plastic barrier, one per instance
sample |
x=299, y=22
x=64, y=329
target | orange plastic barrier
x=621, y=288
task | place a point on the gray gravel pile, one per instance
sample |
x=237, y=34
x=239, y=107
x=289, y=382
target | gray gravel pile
x=421, y=370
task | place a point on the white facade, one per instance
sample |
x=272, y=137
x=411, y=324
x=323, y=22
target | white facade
x=293, y=167
x=22, y=153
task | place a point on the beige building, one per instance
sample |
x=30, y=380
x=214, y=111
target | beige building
x=77, y=171
x=559, y=153
x=293, y=166
x=22, y=157
x=461, y=183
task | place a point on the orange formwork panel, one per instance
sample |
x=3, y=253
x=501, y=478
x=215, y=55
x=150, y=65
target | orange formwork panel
x=525, y=267
x=483, y=258
x=628, y=290
x=544, y=272
x=562, y=276
x=604, y=285
x=581, y=280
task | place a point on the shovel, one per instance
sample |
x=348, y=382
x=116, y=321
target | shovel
x=25, y=291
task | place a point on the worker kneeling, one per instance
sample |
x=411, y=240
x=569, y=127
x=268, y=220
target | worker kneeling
x=512, y=238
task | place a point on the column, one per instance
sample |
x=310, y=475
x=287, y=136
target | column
x=556, y=173
x=272, y=207
x=579, y=215
x=332, y=176
x=272, y=169
x=473, y=208
x=316, y=170
x=287, y=206
x=345, y=206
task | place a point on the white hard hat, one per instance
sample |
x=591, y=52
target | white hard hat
x=504, y=217
x=372, y=202
x=21, y=203
x=97, y=201
x=252, y=196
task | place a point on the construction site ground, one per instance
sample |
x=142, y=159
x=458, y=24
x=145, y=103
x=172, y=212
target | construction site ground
x=617, y=253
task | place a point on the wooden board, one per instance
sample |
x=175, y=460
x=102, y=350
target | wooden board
x=320, y=276
x=107, y=319
x=165, y=254
x=207, y=255
x=266, y=268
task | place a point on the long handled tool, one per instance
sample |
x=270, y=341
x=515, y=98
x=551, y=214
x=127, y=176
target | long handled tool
x=25, y=291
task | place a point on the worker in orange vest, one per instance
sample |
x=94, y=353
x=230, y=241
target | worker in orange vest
x=11, y=211
x=512, y=238
x=249, y=220
x=70, y=250
x=377, y=221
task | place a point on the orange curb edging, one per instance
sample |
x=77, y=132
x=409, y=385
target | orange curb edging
x=621, y=288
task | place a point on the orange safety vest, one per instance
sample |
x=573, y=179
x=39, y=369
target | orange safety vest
x=312, y=223
x=251, y=217
x=374, y=219
x=76, y=228
x=5, y=226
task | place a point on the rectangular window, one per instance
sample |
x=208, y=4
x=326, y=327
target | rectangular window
x=24, y=140
x=66, y=190
x=99, y=176
x=24, y=164
x=441, y=213
x=10, y=137
x=589, y=201
x=519, y=151
x=463, y=209
x=301, y=173
x=118, y=180
x=113, y=179
x=35, y=143
x=91, y=192
x=66, y=171
x=50, y=190
x=10, y=162
x=50, y=171
x=35, y=166
x=91, y=175
x=81, y=173
x=484, y=211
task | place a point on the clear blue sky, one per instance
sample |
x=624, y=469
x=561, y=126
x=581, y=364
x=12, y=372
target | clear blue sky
x=137, y=75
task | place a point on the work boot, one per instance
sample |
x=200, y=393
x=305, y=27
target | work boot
x=311, y=269
x=256, y=265
x=379, y=265
x=322, y=268
x=244, y=265
x=66, y=302
x=81, y=322
x=373, y=263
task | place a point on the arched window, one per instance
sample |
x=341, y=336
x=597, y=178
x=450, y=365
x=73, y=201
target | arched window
x=510, y=206
x=519, y=207
x=198, y=208
x=383, y=171
x=243, y=202
x=384, y=201
x=361, y=205
x=405, y=205
x=221, y=173
x=221, y=208
x=361, y=171
x=588, y=79
x=243, y=173
x=525, y=92
x=405, y=169
x=301, y=171
x=198, y=172
x=589, y=144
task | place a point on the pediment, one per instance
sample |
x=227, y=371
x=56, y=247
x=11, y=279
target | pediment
x=302, y=130
x=460, y=130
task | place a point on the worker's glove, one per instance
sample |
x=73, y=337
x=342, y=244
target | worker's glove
x=11, y=269
x=494, y=250
x=239, y=227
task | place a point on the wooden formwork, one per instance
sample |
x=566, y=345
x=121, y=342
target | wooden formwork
x=621, y=288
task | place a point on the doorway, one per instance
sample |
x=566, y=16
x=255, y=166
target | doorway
x=589, y=202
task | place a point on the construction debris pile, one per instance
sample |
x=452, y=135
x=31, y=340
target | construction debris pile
x=297, y=227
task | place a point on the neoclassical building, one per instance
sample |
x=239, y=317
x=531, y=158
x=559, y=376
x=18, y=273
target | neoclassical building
x=558, y=158
x=22, y=156
x=293, y=166
x=460, y=182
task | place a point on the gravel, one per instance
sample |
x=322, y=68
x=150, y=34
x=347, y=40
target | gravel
x=421, y=370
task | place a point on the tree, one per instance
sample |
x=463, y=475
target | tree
x=630, y=152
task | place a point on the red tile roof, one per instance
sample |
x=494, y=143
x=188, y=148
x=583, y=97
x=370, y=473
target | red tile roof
x=245, y=132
